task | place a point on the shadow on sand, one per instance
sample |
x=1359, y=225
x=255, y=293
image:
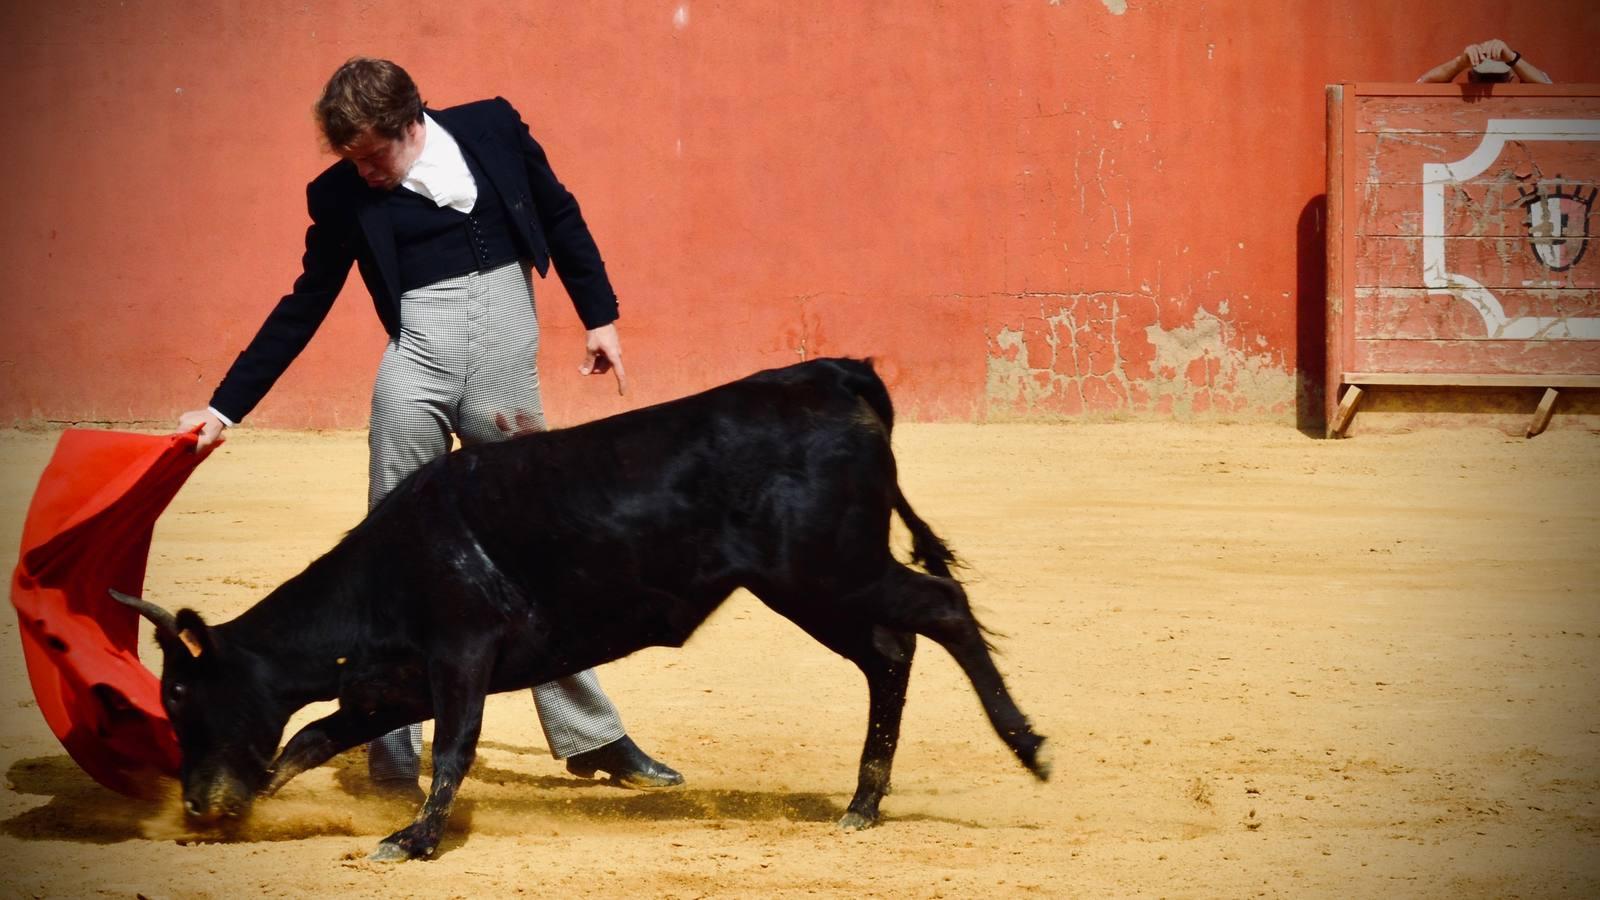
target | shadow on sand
x=80, y=810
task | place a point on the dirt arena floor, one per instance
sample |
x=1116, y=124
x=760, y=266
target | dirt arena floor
x=1268, y=665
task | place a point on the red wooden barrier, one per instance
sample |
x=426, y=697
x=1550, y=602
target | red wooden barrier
x=1458, y=239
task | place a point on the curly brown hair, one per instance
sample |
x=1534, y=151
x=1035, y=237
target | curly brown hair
x=367, y=93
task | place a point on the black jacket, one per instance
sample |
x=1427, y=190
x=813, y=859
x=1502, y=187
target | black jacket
x=349, y=223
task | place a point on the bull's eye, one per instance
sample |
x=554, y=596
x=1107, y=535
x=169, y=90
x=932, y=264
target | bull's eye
x=177, y=693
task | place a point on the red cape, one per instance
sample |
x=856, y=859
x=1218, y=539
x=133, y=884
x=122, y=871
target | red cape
x=88, y=530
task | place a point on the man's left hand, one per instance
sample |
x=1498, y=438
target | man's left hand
x=603, y=353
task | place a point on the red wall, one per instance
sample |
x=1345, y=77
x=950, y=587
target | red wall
x=1038, y=209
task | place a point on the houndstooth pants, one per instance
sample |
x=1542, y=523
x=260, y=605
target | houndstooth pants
x=467, y=354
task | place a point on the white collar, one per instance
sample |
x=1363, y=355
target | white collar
x=440, y=172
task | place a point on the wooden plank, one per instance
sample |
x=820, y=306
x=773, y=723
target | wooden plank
x=1463, y=91
x=1399, y=158
x=1339, y=263
x=1541, y=415
x=1411, y=114
x=1545, y=358
x=1417, y=314
x=1457, y=379
x=1346, y=411
x=1498, y=209
x=1508, y=263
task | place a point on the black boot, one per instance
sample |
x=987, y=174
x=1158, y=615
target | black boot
x=626, y=764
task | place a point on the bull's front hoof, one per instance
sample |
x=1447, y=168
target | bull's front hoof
x=395, y=851
x=854, y=821
x=410, y=842
x=279, y=774
x=388, y=852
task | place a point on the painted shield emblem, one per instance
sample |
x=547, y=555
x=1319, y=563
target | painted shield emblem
x=1558, y=224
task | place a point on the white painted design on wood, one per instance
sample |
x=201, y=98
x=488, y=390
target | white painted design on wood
x=1437, y=278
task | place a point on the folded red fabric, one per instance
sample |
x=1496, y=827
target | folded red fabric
x=88, y=530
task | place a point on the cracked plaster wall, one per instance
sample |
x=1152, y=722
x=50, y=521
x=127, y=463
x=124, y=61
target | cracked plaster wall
x=1095, y=356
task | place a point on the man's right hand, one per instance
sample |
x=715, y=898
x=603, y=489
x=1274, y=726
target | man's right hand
x=603, y=353
x=1491, y=49
x=204, y=419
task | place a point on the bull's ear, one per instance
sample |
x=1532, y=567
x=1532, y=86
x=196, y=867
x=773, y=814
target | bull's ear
x=194, y=634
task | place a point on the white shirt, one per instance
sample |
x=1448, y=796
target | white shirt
x=440, y=172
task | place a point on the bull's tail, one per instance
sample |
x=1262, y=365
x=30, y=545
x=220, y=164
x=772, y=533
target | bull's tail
x=927, y=549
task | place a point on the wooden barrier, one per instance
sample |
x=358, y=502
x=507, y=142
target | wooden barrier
x=1459, y=218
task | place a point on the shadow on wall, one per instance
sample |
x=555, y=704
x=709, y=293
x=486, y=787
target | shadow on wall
x=1311, y=317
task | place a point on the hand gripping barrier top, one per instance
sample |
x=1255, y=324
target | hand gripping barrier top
x=88, y=530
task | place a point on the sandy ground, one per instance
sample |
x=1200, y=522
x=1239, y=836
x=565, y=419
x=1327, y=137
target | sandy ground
x=1269, y=665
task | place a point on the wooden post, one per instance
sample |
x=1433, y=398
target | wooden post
x=1346, y=412
x=1334, y=240
x=1541, y=416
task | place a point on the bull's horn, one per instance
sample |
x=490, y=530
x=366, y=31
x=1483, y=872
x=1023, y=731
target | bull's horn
x=162, y=619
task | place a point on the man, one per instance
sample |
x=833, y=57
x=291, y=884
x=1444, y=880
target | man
x=1491, y=61
x=444, y=212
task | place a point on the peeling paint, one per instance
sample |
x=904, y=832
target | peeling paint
x=1092, y=356
x=1116, y=7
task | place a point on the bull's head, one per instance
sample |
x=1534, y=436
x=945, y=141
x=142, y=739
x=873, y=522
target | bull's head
x=223, y=715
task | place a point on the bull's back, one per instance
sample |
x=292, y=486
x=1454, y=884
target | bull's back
x=686, y=493
x=779, y=417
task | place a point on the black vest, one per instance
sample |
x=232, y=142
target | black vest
x=437, y=242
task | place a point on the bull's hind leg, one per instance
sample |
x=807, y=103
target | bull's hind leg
x=937, y=607
x=887, y=666
x=884, y=657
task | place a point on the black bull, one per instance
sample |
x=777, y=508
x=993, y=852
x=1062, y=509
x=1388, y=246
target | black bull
x=501, y=566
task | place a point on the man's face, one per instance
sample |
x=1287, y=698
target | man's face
x=384, y=161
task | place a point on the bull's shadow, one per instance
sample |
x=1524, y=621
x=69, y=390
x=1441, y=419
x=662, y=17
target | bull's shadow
x=560, y=795
x=82, y=811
